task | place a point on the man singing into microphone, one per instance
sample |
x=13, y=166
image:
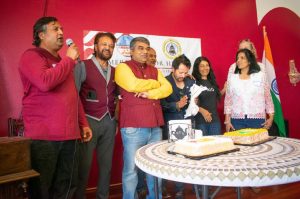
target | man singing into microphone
x=53, y=115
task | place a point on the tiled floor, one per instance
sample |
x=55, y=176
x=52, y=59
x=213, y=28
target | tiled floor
x=287, y=191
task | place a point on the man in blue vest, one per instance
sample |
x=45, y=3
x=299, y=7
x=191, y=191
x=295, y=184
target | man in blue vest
x=97, y=89
x=174, y=106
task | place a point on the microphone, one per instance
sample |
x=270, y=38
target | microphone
x=69, y=42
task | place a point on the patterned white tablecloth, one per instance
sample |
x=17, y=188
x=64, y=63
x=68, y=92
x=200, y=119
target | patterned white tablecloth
x=274, y=162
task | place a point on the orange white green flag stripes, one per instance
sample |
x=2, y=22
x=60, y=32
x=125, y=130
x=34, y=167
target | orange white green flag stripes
x=271, y=76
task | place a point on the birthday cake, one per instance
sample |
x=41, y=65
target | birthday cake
x=203, y=146
x=248, y=136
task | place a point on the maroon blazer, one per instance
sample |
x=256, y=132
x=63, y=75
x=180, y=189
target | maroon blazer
x=140, y=112
x=97, y=94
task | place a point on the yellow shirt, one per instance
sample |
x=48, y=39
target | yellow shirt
x=157, y=89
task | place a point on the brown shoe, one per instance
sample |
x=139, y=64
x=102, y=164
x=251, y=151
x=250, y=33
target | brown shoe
x=256, y=189
x=179, y=195
x=142, y=194
x=165, y=193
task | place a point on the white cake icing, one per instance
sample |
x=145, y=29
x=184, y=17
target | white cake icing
x=206, y=145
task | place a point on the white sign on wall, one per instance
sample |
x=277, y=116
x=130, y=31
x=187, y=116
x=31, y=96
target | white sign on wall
x=167, y=48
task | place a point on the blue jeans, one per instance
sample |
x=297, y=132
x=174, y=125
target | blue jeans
x=133, y=139
x=247, y=123
x=210, y=128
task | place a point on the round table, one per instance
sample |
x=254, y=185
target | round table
x=271, y=163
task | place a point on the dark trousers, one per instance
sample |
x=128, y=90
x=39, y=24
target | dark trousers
x=247, y=123
x=103, y=141
x=141, y=186
x=209, y=129
x=56, y=161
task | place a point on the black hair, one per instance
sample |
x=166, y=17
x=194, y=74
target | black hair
x=253, y=65
x=40, y=26
x=182, y=59
x=210, y=77
x=104, y=34
x=138, y=39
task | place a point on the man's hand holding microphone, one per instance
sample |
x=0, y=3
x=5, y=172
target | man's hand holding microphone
x=72, y=51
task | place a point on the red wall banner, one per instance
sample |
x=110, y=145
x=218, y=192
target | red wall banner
x=220, y=25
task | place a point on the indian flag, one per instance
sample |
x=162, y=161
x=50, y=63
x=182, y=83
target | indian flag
x=271, y=76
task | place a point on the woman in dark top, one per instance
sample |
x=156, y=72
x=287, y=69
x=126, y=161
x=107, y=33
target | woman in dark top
x=207, y=119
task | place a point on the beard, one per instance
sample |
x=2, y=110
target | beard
x=101, y=55
x=178, y=79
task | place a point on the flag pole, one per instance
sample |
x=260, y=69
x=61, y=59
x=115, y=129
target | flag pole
x=271, y=76
x=264, y=30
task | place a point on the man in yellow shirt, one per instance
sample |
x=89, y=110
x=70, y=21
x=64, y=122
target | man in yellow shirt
x=141, y=87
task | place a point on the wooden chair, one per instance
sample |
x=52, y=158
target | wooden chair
x=15, y=167
x=15, y=127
